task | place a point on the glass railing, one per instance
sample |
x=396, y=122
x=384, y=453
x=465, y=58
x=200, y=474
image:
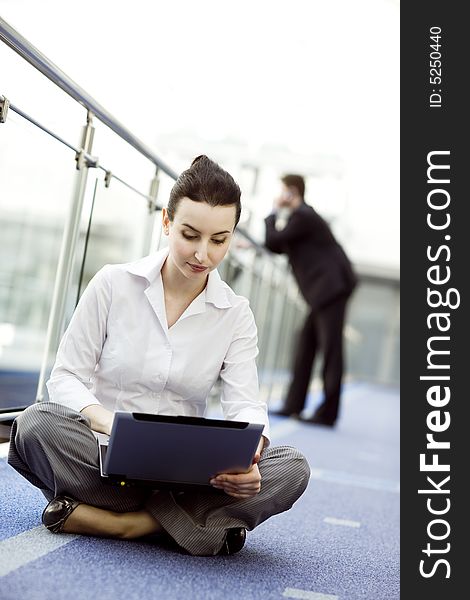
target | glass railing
x=69, y=208
x=77, y=191
x=33, y=167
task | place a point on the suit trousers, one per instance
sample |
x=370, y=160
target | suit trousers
x=322, y=330
x=53, y=447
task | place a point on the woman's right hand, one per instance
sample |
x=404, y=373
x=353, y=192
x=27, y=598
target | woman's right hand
x=101, y=419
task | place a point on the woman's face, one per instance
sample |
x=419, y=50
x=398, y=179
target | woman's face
x=199, y=236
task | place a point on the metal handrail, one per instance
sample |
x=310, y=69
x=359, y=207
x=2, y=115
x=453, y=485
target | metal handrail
x=39, y=61
x=47, y=68
x=30, y=53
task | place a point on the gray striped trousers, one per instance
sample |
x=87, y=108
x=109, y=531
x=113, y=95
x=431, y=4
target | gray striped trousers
x=53, y=447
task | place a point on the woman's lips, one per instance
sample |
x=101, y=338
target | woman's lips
x=197, y=268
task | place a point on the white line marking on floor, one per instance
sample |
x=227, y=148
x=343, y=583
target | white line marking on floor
x=370, y=483
x=4, y=449
x=307, y=595
x=345, y=522
x=288, y=426
x=30, y=545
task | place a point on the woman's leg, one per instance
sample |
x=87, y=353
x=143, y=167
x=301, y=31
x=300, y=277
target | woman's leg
x=199, y=522
x=53, y=447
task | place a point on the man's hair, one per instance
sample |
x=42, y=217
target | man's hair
x=205, y=181
x=296, y=181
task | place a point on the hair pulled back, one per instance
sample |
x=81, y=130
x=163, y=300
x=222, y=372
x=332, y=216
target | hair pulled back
x=205, y=181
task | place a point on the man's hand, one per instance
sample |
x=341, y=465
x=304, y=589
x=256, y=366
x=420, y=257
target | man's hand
x=277, y=203
x=242, y=485
x=284, y=200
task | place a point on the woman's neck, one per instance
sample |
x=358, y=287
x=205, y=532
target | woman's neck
x=176, y=284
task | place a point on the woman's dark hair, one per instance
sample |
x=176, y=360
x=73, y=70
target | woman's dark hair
x=296, y=181
x=205, y=181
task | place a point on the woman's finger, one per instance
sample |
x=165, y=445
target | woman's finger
x=240, y=486
x=242, y=479
x=237, y=490
x=240, y=496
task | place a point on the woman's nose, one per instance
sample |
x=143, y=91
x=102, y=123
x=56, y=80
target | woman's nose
x=201, y=253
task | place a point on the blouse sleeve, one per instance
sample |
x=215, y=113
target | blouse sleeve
x=240, y=397
x=80, y=348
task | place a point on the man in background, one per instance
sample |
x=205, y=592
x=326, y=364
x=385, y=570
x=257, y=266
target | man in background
x=326, y=280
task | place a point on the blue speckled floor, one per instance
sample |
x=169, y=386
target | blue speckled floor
x=355, y=474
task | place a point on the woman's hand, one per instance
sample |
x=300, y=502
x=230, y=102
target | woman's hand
x=100, y=418
x=242, y=485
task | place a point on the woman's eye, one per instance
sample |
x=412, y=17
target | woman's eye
x=194, y=237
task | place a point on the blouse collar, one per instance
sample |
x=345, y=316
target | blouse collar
x=150, y=268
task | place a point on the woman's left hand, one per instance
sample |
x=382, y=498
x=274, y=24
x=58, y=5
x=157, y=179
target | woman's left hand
x=242, y=485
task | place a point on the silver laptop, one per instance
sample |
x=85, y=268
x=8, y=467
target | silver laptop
x=177, y=453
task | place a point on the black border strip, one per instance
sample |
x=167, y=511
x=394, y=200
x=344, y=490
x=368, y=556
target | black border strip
x=434, y=123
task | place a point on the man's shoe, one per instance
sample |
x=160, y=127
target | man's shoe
x=57, y=512
x=234, y=541
x=318, y=421
x=282, y=412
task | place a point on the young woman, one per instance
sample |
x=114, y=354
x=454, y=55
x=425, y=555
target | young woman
x=153, y=336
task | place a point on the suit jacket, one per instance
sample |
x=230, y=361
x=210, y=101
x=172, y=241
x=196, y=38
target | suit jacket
x=321, y=268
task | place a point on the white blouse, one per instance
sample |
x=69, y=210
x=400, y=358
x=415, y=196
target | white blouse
x=119, y=352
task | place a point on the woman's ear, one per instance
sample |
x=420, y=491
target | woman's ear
x=165, y=221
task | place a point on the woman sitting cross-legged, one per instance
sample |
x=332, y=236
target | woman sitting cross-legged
x=153, y=336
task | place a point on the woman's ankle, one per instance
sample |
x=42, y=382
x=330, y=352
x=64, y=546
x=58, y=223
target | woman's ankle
x=138, y=524
x=90, y=520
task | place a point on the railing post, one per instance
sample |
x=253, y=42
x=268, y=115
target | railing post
x=55, y=325
x=152, y=206
x=4, y=105
x=278, y=338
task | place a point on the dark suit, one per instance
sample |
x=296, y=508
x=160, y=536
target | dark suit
x=326, y=280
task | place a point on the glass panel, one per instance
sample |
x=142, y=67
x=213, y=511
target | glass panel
x=164, y=187
x=372, y=332
x=121, y=158
x=33, y=93
x=272, y=325
x=264, y=309
x=241, y=275
x=37, y=176
x=119, y=222
x=119, y=226
x=257, y=282
x=116, y=224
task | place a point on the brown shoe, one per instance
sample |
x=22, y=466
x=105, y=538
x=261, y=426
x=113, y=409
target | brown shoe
x=57, y=512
